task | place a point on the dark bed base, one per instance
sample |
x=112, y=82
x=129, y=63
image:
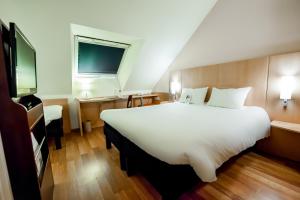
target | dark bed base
x=55, y=129
x=169, y=180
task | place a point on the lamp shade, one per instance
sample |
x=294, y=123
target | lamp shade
x=287, y=85
x=175, y=87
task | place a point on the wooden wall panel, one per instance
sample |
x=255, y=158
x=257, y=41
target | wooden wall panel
x=164, y=96
x=252, y=73
x=199, y=77
x=66, y=113
x=207, y=76
x=263, y=75
x=280, y=65
x=189, y=78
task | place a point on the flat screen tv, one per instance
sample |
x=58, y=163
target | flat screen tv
x=23, y=79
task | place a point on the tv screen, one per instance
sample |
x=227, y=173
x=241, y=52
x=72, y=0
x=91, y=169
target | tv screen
x=23, y=65
x=98, y=59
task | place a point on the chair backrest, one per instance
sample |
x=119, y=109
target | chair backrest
x=129, y=101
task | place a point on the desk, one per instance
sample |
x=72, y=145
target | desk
x=142, y=98
x=90, y=108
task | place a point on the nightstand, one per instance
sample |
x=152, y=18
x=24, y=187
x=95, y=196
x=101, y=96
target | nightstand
x=284, y=140
x=286, y=126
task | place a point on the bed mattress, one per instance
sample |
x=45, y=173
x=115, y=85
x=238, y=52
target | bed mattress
x=199, y=135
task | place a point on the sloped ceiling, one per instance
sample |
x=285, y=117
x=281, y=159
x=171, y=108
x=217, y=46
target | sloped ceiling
x=240, y=29
x=165, y=26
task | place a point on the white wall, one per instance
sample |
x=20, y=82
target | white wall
x=165, y=26
x=241, y=29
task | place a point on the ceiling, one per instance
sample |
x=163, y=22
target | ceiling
x=238, y=30
x=243, y=29
x=163, y=26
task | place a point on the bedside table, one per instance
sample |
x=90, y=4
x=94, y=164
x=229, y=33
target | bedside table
x=284, y=140
x=286, y=126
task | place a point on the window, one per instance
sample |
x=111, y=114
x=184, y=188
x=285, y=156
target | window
x=96, y=57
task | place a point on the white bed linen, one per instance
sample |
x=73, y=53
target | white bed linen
x=52, y=113
x=199, y=135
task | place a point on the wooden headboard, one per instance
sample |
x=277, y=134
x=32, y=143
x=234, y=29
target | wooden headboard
x=279, y=65
x=263, y=75
x=245, y=73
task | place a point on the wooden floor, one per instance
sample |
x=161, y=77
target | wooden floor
x=84, y=169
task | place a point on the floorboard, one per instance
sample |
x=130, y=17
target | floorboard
x=83, y=169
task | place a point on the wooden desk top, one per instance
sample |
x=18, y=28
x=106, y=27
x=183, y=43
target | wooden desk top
x=286, y=125
x=99, y=99
x=113, y=98
x=145, y=96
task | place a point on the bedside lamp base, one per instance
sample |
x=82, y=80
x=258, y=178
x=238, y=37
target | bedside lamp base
x=285, y=103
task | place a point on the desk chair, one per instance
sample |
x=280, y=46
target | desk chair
x=130, y=102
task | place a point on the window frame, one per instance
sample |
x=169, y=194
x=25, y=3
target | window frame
x=101, y=42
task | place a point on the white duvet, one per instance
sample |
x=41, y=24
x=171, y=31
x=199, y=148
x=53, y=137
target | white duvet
x=52, y=113
x=199, y=135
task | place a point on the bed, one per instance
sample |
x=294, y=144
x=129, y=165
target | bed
x=54, y=123
x=197, y=139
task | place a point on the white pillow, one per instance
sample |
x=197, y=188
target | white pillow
x=184, y=93
x=228, y=98
x=198, y=95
